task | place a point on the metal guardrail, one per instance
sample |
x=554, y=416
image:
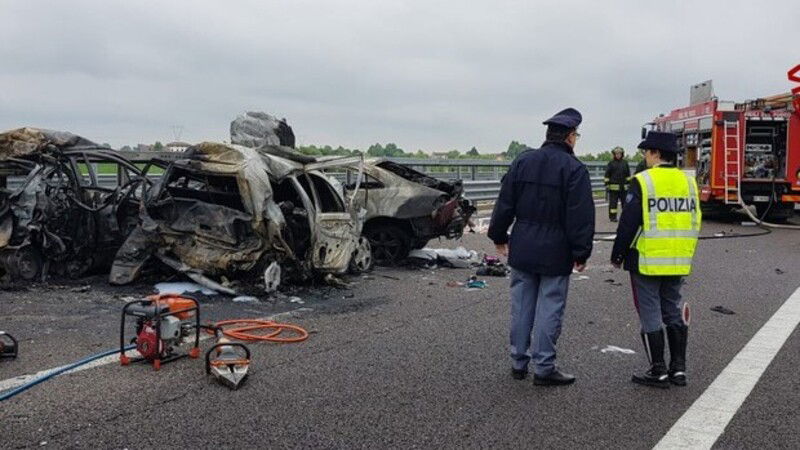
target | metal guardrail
x=481, y=177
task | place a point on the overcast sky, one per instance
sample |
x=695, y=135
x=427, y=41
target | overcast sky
x=423, y=74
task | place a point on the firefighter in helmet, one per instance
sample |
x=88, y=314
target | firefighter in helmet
x=656, y=240
x=618, y=175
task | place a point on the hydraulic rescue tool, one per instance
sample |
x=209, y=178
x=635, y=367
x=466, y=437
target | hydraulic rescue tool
x=228, y=362
x=163, y=323
x=8, y=346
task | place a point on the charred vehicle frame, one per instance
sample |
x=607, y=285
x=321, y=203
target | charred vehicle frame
x=229, y=210
x=55, y=216
x=407, y=208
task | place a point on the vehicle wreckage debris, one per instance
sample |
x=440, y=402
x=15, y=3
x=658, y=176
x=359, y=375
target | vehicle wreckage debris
x=59, y=219
x=182, y=287
x=9, y=346
x=475, y=283
x=492, y=267
x=253, y=208
x=722, y=310
x=459, y=258
x=615, y=349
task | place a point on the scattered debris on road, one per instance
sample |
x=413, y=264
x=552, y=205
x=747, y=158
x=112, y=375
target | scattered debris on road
x=475, y=283
x=722, y=310
x=492, y=267
x=9, y=347
x=459, y=258
x=615, y=349
x=182, y=287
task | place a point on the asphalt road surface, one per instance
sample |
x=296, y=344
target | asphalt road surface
x=403, y=360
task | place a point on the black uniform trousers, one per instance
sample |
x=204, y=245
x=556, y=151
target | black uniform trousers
x=614, y=197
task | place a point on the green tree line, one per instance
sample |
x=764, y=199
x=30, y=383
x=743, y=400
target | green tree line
x=393, y=151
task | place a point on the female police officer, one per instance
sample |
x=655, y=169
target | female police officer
x=656, y=239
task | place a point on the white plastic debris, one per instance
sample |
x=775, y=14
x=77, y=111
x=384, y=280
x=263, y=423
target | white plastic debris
x=426, y=254
x=460, y=257
x=296, y=300
x=582, y=277
x=272, y=277
x=245, y=299
x=615, y=349
x=182, y=287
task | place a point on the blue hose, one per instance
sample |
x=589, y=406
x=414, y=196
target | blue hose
x=10, y=393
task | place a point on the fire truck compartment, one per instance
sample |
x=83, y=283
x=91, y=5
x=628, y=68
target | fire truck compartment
x=765, y=149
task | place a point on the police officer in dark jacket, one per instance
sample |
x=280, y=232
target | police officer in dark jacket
x=618, y=174
x=547, y=195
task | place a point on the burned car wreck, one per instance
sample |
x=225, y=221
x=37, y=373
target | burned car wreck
x=406, y=208
x=234, y=211
x=56, y=216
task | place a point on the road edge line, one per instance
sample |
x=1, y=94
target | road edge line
x=705, y=421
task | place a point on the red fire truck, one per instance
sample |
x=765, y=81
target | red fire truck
x=745, y=152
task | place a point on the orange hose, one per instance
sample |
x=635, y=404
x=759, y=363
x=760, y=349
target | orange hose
x=242, y=333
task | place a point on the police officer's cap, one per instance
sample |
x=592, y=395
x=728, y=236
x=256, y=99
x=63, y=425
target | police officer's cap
x=568, y=118
x=661, y=141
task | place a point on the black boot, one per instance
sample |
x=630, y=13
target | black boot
x=677, y=336
x=657, y=375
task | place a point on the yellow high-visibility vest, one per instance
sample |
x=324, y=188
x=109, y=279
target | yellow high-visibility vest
x=671, y=222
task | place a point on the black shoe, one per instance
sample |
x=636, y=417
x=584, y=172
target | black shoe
x=677, y=336
x=653, y=377
x=519, y=374
x=677, y=378
x=555, y=378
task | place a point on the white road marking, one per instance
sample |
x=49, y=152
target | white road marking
x=705, y=421
x=12, y=383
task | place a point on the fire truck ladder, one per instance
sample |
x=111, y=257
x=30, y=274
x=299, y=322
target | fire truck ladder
x=733, y=169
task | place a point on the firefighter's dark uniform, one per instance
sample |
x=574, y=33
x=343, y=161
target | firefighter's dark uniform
x=547, y=195
x=656, y=239
x=618, y=174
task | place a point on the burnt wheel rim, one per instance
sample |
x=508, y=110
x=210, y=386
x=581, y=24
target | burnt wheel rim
x=386, y=245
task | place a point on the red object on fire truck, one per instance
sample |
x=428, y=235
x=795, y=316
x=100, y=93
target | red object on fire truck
x=746, y=151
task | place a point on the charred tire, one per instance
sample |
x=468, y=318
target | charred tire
x=390, y=243
x=361, y=261
x=25, y=263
